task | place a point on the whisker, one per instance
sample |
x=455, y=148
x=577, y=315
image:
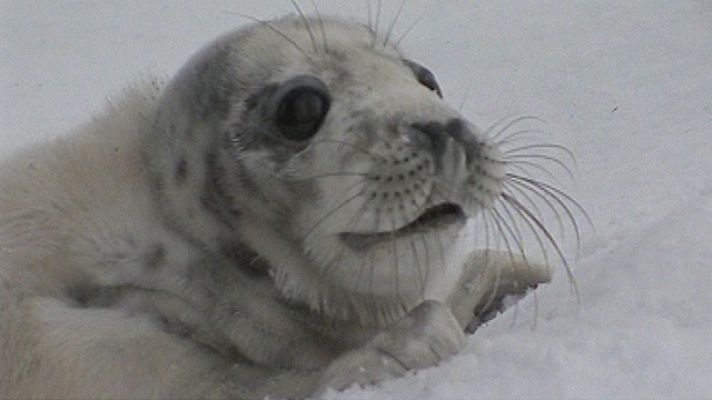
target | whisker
x=514, y=122
x=306, y=24
x=441, y=251
x=337, y=208
x=407, y=31
x=518, y=136
x=553, y=146
x=325, y=175
x=351, y=224
x=556, y=194
x=532, y=229
x=378, y=22
x=371, y=278
x=545, y=158
x=426, y=251
x=393, y=23
x=321, y=26
x=520, y=164
x=513, y=232
x=274, y=29
x=551, y=241
x=419, y=276
x=396, y=268
x=371, y=154
x=360, y=273
x=503, y=236
x=544, y=198
x=530, y=202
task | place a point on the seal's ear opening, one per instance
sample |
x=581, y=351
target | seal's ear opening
x=300, y=106
x=425, y=77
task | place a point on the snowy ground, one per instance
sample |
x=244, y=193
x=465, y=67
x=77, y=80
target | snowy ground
x=627, y=85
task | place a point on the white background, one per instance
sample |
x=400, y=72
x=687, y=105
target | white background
x=627, y=85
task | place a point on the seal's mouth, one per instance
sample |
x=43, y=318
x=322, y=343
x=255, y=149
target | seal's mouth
x=432, y=218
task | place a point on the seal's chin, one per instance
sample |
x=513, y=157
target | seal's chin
x=435, y=218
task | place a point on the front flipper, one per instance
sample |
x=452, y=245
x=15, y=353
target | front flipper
x=423, y=338
x=489, y=281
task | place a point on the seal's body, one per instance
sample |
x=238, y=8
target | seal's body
x=280, y=218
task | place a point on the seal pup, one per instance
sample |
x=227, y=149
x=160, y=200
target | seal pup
x=284, y=216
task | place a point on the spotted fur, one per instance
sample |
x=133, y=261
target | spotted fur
x=180, y=245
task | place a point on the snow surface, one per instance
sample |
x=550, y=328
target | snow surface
x=627, y=85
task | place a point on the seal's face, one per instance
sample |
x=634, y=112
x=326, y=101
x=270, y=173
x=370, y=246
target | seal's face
x=352, y=146
x=330, y=154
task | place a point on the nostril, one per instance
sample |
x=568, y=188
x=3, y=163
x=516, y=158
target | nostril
x=430, y=136
x=459, y=131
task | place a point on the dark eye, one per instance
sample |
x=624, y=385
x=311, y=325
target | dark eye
x=425, y=77
x=303, y=104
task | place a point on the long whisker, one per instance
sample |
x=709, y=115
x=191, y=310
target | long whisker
x=512, y=231
x=497, y=123
x=520, y=164
x=515, y=122
x=325, y=175
x=426, y=248
x=337, y=208
x=550, y=239
x=306, y=24
x=363, y=151
x=396, y=269
x=377, y=28
x=518, y=136
x=421, y=281
x=530, y=201
x=542, y=157
x=393, y=23
x=503, y=236
x=532, y=229
x=543, y=146
x=355, y=219
x=556, y=194
x=543, y=197
x=274, y=29
x=407, y=31
x=321, y=26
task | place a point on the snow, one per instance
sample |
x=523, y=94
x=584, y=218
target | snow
x=626, y=85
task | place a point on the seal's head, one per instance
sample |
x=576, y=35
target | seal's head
x=330, y=154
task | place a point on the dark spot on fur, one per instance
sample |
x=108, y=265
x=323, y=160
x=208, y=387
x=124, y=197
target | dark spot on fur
x=174, y=326
x=81, y=295
x=156, y=257
x=92, y=296
x=214, y=198
x=181, y=171
x=246, y=259
x=257, y=98
x=209, y=91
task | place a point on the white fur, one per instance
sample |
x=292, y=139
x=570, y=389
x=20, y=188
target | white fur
x=111, y=289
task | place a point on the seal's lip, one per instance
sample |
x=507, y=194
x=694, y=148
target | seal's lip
x=432, y=218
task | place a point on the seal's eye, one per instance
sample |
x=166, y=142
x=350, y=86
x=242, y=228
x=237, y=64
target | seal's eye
x=425, y=77
x=303, y=104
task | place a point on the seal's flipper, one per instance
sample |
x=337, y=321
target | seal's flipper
x=491, y=282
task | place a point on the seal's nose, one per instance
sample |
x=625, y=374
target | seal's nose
x=434, y=136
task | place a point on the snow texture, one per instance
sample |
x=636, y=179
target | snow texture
x=627, y=85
